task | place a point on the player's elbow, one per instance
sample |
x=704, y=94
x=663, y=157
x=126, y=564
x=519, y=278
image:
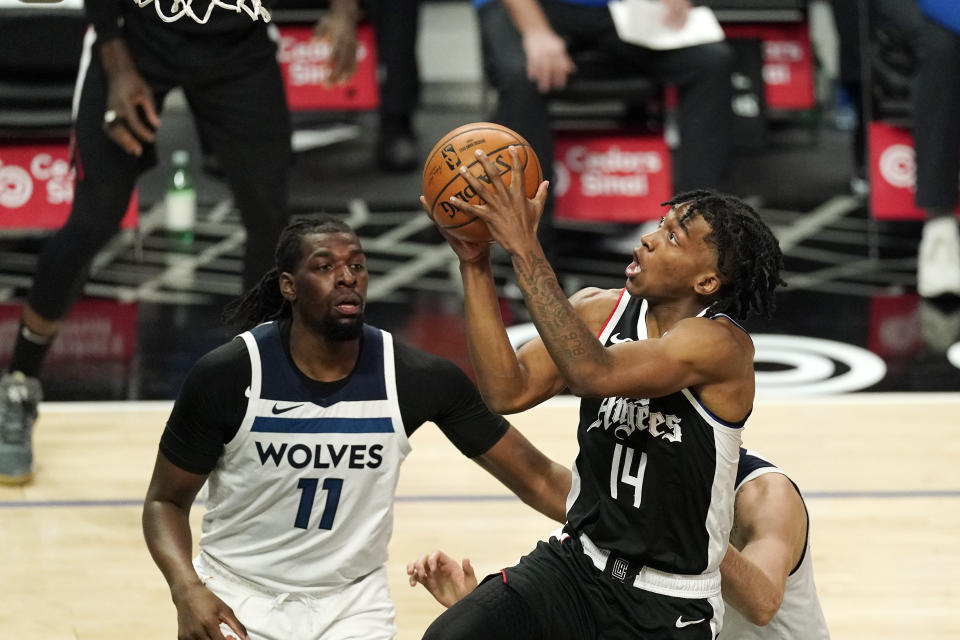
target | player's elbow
x=587, y=387
x=504, y=404
x=764, y=609
x=584, y=382
x=506, y=399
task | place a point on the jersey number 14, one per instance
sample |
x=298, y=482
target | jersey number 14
x=308, y=492
x=634, y=480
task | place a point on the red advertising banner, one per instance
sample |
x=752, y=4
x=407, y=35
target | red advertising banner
x=894, y=329
x=610, y=177
x=94, y=331
x=892, y=173
x=36, y=186
x=787, y=62
x=305, y=64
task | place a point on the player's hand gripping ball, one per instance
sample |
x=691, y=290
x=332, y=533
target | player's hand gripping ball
x=442, y=179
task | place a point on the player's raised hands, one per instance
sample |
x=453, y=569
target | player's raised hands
x=201, y=616
x=445, y=579
x=511, y=217
x=467, y=251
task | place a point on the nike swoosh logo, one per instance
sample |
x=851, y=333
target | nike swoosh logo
x=681, y=623
x=276, y=410
x=616, y=339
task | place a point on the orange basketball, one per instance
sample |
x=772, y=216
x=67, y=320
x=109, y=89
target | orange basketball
x=442, y=179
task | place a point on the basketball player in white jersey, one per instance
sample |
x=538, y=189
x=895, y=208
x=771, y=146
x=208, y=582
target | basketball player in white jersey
x=665, y=373
x=298, y=427
x=767, y=573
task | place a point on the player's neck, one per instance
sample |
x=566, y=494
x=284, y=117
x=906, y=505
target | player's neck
x=663, y=315
x=320, y=358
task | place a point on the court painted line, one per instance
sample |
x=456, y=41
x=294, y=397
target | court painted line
x=871, y=398
x=811, y=495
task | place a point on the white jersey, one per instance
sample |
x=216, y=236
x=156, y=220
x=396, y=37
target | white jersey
x=302, y=498
x=800, y=616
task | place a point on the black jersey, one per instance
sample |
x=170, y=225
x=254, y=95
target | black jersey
x=653, y=480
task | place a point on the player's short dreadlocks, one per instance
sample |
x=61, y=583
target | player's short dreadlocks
x=748, y=255
x=264, y=301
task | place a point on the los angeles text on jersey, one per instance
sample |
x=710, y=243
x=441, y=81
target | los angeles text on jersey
x=628, y=415
x=320, y=456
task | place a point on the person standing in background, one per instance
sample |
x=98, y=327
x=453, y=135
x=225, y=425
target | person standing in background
x=932, y=28
x=132, y=60
x=527, y=48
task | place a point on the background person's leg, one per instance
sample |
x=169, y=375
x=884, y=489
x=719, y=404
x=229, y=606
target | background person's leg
x=246, y=120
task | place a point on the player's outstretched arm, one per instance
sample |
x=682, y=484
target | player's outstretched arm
x=770, y=526
x=536, y=479
x=447, y=580
x=166, y=529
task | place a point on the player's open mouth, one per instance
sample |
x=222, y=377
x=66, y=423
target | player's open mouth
x=349, y=306
x=632, y=269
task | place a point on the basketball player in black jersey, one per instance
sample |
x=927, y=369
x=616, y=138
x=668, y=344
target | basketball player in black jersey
x=666, y=389
x=299, y=426
x=767, y=573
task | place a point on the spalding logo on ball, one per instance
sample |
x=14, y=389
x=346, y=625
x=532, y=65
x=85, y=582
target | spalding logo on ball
x=442, y=179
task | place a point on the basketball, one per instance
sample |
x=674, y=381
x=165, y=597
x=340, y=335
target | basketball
x=442, y=179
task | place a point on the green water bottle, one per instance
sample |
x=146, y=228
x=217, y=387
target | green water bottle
x=180, y=201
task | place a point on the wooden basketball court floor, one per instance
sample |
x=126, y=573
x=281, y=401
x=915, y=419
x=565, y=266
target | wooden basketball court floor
x=880, y=473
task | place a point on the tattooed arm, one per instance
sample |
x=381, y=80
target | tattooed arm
x=512, y=381
x=696, y=351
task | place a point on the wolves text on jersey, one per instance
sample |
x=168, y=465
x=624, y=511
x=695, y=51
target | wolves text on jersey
x=321, y=456
x=626, y=415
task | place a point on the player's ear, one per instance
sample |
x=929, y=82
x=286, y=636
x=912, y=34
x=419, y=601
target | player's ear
x=287, y=287
x=708, y=284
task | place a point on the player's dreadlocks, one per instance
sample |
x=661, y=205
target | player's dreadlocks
x=748, y=255
x=264, y=301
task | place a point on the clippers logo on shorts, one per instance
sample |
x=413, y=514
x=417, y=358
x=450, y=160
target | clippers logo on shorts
x=619, y=569
x=625, y=416
x=306, y=487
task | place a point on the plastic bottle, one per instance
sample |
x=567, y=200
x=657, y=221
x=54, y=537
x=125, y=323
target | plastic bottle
x=180, y=201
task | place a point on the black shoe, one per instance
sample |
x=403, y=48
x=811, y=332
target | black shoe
x=397, y=151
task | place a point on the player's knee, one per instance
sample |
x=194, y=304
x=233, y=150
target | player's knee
x=459, y=622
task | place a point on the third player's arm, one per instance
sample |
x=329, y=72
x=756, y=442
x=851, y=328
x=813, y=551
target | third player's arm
x=770, y=531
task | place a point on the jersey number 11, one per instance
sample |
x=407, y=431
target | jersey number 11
x=308, y=491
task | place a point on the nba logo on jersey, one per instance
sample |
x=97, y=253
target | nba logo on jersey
x=619, y=569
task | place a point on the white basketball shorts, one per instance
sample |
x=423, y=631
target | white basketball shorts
x=362, y=610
